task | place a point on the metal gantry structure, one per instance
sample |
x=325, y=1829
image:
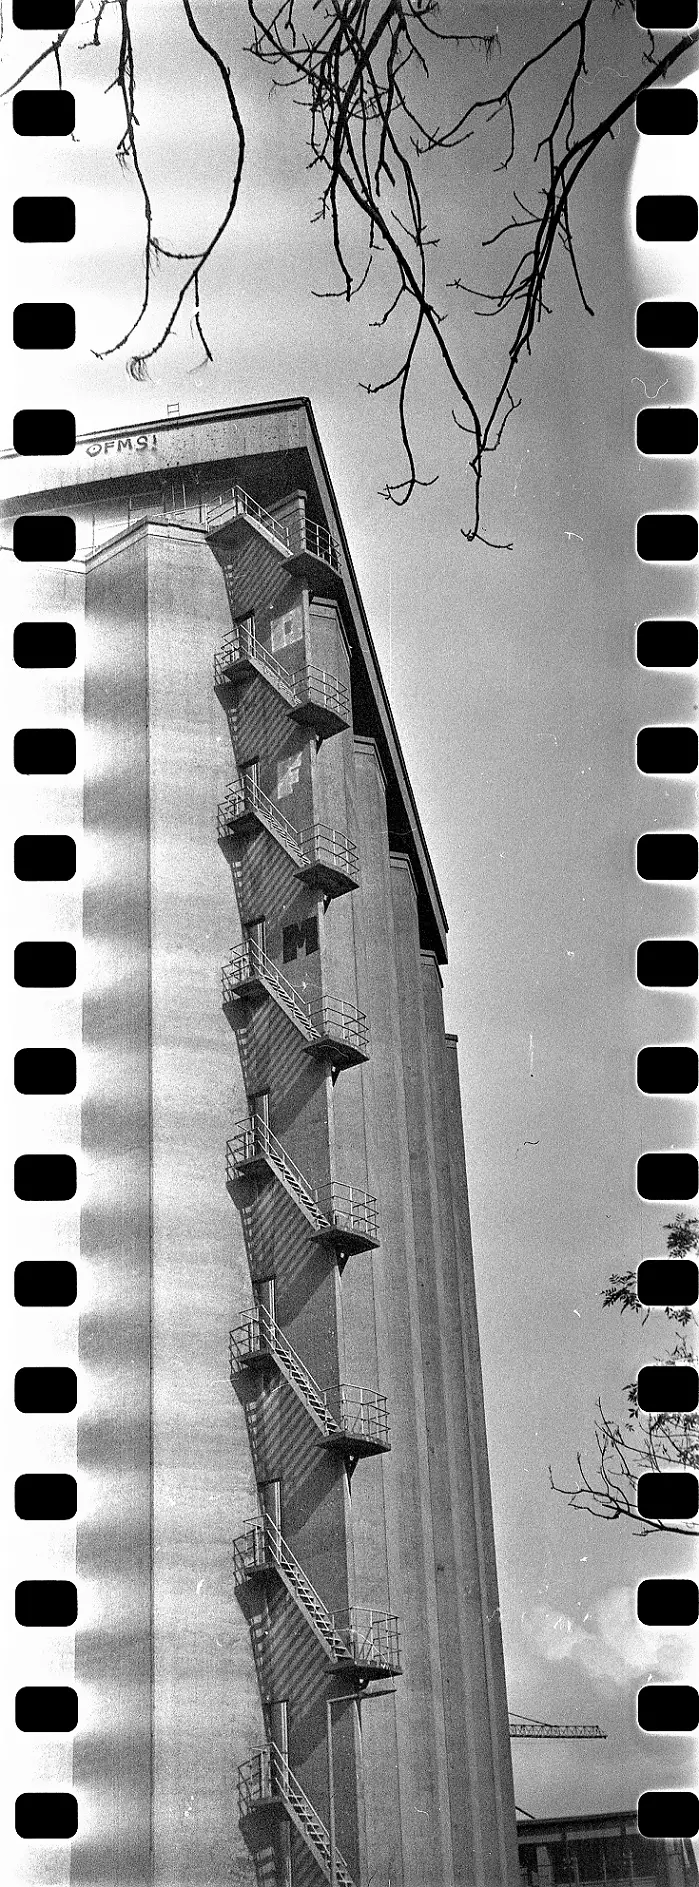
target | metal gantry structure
x=532, y=1727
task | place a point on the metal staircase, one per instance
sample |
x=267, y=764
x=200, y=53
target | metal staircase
x=365, y=1641
x=325, y=857
x=245, y=806
x=242, y=655
x=265, y=1781
x=344, y=1215
x=314, y=696
x=362, y=1427
x=332, y=1027
x=293, y=535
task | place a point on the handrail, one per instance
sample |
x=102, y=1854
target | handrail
x=336, y=1206
x=240, y=504
x=363, y=1635
x=247, y=795
x=260, y=1322
x=266, y=1775
x=249, y=958
x=362, y=1412
x=294, y=533
x=252, y=1137
x=244, y=642
x=349, y=1208
x=309, y=684
x=325, y=688
x=331, y=1015
x=335, y=1017
x=329, y=845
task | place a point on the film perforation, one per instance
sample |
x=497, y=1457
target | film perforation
x=666, y=324
x=668, y=1708
x=44, y=1282
x=46, y=1176
x=667, y=1069
x=667, y=962
x=46, y=1604
x=46, y=1709
x=43, y=324
x=668, y=1602
x=50, y=964
x=43, y=114
x=43, y=219
x=661, y=219
x=667, y=1176
x=44, y=644
x=667, y=749
x=42, y=430
x=667, y=1387
x=45, y=858
x=45, y=1071
x=41, y=1497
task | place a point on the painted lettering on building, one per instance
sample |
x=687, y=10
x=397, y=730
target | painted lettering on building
x=126, y=442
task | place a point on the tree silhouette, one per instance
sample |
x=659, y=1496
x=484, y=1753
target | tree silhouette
x=370, y=75
x=642, y=1443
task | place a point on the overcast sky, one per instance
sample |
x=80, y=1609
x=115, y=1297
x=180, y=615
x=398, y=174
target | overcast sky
x=517, y=698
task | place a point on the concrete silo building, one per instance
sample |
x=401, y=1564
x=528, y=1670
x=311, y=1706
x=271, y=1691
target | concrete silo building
x=296, y=1672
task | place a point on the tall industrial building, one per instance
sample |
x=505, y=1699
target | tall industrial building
x=293, y=1663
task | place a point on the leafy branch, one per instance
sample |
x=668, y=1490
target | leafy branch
x=643, y=1442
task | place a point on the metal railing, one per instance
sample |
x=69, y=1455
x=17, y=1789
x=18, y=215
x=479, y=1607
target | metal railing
x=293, y=533
x=360, y=1414
x=252, y=1140
x=248, y=963
x=364, y=1414
x=242, y=645
x=248, y=796
x=363, y=1635
x=341, y=1022
x=331, y=1018
x=327, y=845
x=237, y=503
x=315, y=684
x=349, y=1209
x=336, y=1207
x=373, y=1637
x=265, y=1778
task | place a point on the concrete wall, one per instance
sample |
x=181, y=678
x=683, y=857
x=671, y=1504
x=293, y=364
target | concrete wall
x=176, y=1699
x=193, y=1669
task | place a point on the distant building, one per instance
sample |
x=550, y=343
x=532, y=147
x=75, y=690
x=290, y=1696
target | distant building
x=272, y=1148
x=601, y=1851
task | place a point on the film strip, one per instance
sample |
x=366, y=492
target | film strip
x=47, y=957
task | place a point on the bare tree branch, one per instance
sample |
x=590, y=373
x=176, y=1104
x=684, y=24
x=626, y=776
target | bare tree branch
x=364, y=71
x=643, y=1442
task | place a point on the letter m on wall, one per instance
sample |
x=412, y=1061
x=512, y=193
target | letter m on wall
x=300, y=939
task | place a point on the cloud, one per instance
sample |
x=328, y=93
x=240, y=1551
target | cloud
x=610, y=1645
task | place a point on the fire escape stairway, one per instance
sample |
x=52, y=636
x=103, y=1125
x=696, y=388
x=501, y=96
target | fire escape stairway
x=254, y=1141
x=243, y=652
x=267, y=1778
x=248, y=798
x=249, y=965
x=313, y=1830
x=265, y=1331
x=305, y=1596
x=342, y=1035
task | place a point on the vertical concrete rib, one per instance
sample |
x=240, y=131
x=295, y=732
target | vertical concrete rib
x=479, y=1617
x=447, y=1544
x=488, y=1615
x=425, y=1833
